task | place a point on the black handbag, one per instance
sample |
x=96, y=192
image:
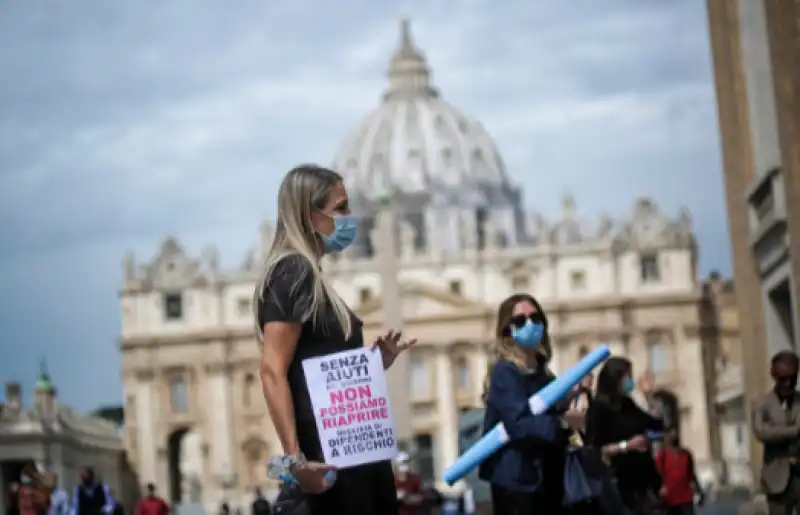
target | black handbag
x=587, y=479
x=290, y=501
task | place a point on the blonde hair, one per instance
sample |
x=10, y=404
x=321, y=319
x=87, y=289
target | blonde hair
x=505, y=348
x=305, y=189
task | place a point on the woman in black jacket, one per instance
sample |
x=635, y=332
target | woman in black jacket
x=618, y=427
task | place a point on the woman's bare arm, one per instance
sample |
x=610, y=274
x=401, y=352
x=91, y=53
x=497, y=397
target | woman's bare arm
x=280, y=342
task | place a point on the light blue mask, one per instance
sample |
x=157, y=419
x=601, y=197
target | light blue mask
x=628, y=386
x=25, y=480
x=529, y=335
x=345, y=229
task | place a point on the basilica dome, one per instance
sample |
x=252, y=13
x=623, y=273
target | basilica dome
x=417, y=142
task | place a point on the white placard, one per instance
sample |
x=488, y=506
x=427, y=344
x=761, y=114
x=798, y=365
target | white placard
x=351, y=406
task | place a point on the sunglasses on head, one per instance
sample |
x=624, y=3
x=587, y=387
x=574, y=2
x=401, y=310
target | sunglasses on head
x=521, y=320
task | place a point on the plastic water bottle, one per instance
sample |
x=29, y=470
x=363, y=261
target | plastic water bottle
x=276, y=470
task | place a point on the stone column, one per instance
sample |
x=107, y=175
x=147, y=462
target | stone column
x=220, y=430
x=689, y=349
x=447, y=434
x=162, y=467
x=146, y=406
x=617, y=348
x=391, y=299
x=480, y=367
x=639, y=355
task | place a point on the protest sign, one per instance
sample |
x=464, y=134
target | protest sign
x=351, y=406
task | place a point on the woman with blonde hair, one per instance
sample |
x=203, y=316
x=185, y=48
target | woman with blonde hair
x=526, y=475
x=299, y=315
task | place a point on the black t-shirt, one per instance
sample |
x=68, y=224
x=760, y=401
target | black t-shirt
x=286, y=298
x=608, y=423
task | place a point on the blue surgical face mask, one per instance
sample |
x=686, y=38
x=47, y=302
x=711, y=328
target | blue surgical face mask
x=345, y=229
x=25, y=480
x=529, y=335
x=627, y=385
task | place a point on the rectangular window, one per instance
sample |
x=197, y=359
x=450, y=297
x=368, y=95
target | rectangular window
x=173, y=306
x=520, y=283
x=455, y=287
x=364, y=294
x=178, y=394
x=243, y=306
x=578, y=280
x=648, y=268
x=423, y=444
x=659, y=355
x=419, y=376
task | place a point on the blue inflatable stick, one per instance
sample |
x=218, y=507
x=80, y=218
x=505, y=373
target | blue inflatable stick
x=539, y=403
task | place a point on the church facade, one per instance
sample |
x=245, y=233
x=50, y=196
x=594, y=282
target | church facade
x=444, y=240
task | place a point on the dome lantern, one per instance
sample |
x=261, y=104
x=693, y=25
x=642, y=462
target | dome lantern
x=409, y=74
x=44, y=381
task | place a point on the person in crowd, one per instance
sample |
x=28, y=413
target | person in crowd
x=579, y=401
x=409, y=486
x=526, y=475
x=260, y=504
x=224, y=509
x=776, y=424
x=467, y=501
x=679, y=480
x=59, y=498
x=298, y=316
x=91, y=496
x=151, y=503
x=12, y=499
x=618, y=427
x=119, y=508
x=34, y=492
x=433, y=501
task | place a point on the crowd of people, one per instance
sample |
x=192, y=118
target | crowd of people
x=39, y=493
x=591, y=453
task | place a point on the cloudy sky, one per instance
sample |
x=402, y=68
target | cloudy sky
x=122, y=122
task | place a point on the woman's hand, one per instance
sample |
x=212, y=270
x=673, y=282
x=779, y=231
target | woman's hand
x=391, y=346
x=313, y=477
x=639, y=443
x=575, y=418
x=646, y=383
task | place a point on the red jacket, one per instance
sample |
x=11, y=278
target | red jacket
x=676, y=466
x=33, y=500
x=152, y=506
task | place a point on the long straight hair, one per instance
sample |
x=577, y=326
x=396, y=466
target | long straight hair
x=505, y=348
x=610, y=378
x=305, y=189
